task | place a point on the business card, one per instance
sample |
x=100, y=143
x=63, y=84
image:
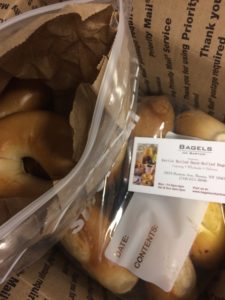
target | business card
x=192, y=169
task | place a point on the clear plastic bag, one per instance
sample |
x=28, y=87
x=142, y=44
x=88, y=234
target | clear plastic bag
x=32, y=231
x=184, y=237
x=206, y=254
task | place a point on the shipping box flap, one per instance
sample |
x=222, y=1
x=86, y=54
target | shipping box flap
x=181, y=45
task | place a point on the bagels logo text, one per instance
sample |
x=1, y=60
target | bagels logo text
x=195, y=148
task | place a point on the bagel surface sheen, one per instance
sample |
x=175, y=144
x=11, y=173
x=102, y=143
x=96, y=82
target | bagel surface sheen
x=43, y=136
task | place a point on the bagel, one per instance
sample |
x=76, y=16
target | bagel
x=198, y=124
x=208, y=248
x=184, y=287
x=156, y=117
x=43, y=136
x=88, y=245
x=24, y=95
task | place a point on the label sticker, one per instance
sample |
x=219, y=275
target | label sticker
x=192, y=169
x=155, y=233
x=154, y=236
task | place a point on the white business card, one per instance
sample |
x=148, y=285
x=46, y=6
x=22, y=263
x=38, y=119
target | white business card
x=192, y=169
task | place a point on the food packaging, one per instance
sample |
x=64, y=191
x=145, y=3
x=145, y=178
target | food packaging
x=32, y=231
x=180, y=53
x=180, y=49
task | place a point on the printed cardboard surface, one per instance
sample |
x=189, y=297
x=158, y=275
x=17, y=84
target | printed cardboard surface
x=180, y=46
x=181, y=51
x=8, y=9
x=52, y=277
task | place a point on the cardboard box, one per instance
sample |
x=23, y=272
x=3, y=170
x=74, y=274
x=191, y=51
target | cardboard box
x=180, y=45
x=52, y=277
x=9, y=8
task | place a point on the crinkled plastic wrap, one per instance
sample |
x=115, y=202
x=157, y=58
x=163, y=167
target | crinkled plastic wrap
x=190, y=234
x=32, y=231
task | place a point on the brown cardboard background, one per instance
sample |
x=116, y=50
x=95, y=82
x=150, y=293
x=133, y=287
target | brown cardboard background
x=9, y=8
x=53, y=277
x=200, y=68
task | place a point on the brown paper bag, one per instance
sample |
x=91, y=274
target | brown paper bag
x=62, y=48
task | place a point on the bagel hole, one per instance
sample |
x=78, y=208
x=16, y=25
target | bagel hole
x=32, y=167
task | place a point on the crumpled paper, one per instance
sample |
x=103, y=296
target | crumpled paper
x=63, y=51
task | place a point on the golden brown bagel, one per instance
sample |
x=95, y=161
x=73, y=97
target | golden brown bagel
x=198, y=124
x=208, y=249
x=156, y=117
x=88, y=246
x=183, y=289
x=43, y=136
x=209, y=246
x=24, y=95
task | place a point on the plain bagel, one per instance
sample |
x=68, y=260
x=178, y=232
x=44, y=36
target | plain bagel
x=24, y=95
x=43, y=136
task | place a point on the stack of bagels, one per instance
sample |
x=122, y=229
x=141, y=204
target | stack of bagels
x=87, y=246
x=35, y=144
x=36, y=148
